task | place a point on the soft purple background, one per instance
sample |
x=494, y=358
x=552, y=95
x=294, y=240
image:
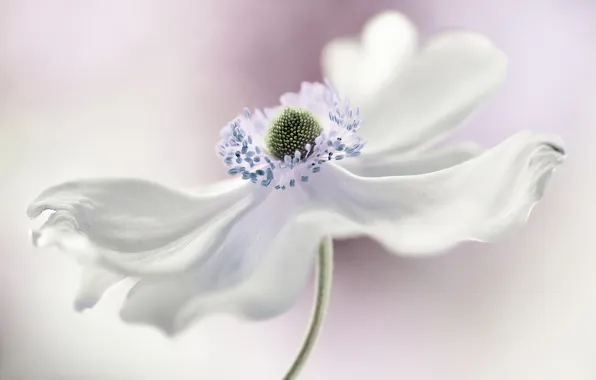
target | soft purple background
x=140, y=88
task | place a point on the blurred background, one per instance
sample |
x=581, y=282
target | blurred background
x=141, y=87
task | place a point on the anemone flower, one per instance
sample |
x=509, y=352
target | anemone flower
x=300, y=173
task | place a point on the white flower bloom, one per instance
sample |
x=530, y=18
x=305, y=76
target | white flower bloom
x=301, y=171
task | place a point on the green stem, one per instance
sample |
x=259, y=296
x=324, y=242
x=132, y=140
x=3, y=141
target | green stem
x=322, y=292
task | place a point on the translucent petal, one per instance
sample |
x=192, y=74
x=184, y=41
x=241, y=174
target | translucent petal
x=481, y=199
x=137, y=226
x=440, y=87
x=391, y=164
x=273, y=269
x=94, y=282
x=359, y=67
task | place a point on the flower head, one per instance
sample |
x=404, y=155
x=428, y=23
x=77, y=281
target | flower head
x=288, y=144
x=243, y=248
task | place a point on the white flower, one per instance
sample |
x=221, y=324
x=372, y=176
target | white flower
x=300, y=172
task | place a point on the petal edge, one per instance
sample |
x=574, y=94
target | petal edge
x=482, y=199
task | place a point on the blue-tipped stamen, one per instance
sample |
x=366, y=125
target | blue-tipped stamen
x=297, y=143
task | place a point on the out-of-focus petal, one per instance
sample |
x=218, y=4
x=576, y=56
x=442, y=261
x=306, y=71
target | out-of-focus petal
x=440, y=87
x=359, y=67
x=94, y=282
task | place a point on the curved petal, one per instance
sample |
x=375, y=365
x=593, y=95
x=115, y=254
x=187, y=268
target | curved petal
x=138, y=227
x=279, y=267
x=94, y=282
x=392, y=164
x=359, y=67
x=448, y=79
x=481, y=199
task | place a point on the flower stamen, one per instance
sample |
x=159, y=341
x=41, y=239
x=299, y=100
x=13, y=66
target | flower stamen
x=297, y=141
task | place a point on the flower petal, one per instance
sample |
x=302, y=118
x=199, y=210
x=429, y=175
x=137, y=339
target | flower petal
x=314, y=97
x=439, y=89
x=94, y=282
x=138, y=227
x=279, y=275
x=359, y=67
x=391, y=164
x=481, y=199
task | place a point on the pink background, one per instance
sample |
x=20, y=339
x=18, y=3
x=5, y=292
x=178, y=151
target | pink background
x=141, y=88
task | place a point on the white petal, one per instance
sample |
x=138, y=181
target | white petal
x=359, y=67
x=275, y=268
x=481, y=199
x=448, y=79
x=94, y=282
x=391, y=164
x=137, y=226
x=315, y=97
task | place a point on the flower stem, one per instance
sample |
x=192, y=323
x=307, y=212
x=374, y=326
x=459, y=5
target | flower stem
x=322, y=293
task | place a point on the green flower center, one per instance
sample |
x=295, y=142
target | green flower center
x=290, y=131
